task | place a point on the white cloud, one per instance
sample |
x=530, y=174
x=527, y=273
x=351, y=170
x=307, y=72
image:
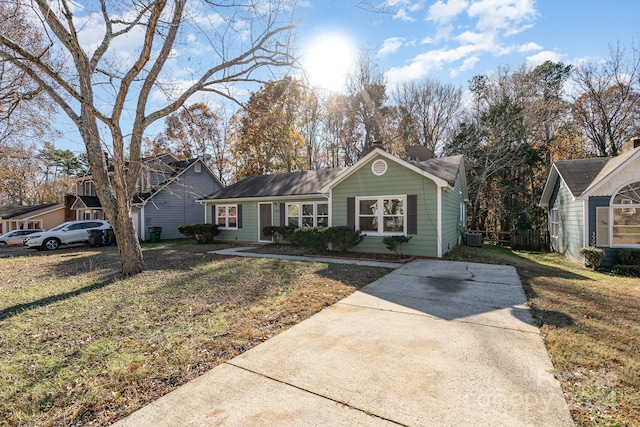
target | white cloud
x=444, y=13
x=529, y=47
x=467, y=65
x=543, y=56
x=390, y=45
x=501, y=14
x=401, y=14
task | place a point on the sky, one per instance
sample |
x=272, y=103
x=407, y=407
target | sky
x=454, y=40
x=447, y=40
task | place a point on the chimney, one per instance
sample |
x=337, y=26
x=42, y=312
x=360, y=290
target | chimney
x=631, y=144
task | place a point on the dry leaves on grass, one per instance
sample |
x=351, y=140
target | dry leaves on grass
x=81, y=345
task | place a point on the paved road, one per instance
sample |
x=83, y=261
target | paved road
x=433, y=343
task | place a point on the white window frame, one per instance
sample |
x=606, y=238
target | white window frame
x=226, y=216
x=380, y=215
x=618, y=211
x=554, y=223
x=300, y=216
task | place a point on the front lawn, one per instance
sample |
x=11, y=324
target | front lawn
x=590, y=322
x=79, y=344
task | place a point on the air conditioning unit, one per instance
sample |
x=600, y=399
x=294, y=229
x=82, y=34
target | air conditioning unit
x=474, y=239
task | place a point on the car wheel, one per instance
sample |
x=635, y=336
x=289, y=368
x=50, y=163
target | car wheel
x=51, y=244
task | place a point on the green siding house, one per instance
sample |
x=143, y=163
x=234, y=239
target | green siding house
x=595, y=202
x=380, y=195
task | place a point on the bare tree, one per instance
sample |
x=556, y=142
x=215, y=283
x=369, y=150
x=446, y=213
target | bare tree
x=110, y=96
x=606, y=104
x=430, y=111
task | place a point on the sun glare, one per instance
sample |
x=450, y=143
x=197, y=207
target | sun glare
x=328, y=60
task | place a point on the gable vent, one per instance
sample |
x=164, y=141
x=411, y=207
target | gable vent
x=379, y=167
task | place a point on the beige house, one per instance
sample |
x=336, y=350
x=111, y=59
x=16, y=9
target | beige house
x=20, y=217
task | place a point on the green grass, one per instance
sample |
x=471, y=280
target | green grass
x=590, y=322
x=79, y=344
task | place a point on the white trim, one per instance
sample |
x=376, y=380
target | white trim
x=378, y=152
x=142, y=223
x=314, y=203
x=597, y=183
x=214, y=218
x=380, y=214
x=263, y=199
x=613, y=206
x=379, y=167
x=439, y=236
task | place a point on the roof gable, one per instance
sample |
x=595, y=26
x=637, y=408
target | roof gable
x=443, y=171
x=583, y=176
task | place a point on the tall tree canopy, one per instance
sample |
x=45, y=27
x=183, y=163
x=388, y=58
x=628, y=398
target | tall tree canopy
x=607, y=103
x=115, y=68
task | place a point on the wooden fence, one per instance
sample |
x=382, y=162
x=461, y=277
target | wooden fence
x=521, y=240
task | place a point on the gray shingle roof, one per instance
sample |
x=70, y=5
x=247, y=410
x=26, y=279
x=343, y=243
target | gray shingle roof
x=310, y=182
x=11, y=211
x=445, y=168
x=579, y=174
x=582, y=175
x=278, y=185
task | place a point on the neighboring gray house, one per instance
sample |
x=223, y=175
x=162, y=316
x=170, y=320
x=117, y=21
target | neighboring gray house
x=380, y=195
x=168, y=190
x=595, y=202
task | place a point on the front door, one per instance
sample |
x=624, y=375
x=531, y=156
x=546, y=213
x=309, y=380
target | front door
x=265, y=220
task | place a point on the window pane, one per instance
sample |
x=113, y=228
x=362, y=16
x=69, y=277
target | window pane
x=293, y=221
x=323, y=221
x=626, y=226
x=368, y=224
x=232, y=211
x=307, y=210
x=307, y=221
x=368, y=207
x=393, y=207
x=232, y=222
x=628, y=195
x=293, y=210
x=222, y=210
x=393, y=223
x=323, y=209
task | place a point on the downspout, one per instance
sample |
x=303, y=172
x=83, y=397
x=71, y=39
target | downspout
x=439, y=207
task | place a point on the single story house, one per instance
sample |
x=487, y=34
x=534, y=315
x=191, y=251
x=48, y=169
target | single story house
x=379, y=195
x=167, y=192
x=595, y=202
x=19, y=217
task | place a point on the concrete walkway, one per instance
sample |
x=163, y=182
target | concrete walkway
x=241, y=251
x=433, y=343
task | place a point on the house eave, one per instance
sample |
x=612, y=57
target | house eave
x=378, y=152
x=263, y=199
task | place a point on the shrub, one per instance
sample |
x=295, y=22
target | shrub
x=393, y=243
x=279, y=233
x=626, y=270
x=592, y=257
x=201, y=233
x=628, y=257
x=344, y=238
x=312, y=238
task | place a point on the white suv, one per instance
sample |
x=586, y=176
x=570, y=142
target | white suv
x=64, y=234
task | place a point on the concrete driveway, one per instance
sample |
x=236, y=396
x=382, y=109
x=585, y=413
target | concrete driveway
x=433, y=343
